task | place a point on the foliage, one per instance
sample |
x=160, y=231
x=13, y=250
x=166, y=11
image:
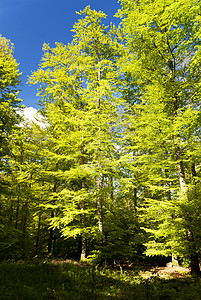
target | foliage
x=64, y=280
x=112, y=172
x=9, y=82
x=162, y=43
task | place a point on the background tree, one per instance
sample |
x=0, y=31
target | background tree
x=9, y=88
x=9, y=118
x=162, y=46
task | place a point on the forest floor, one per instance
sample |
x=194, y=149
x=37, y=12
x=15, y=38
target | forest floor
x=172, y=271
x=67, y=279
x=167, y=272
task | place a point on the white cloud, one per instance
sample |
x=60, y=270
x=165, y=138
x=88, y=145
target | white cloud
x=32, y=115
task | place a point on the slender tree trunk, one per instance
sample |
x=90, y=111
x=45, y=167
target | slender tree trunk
x=11, y=212
x=168, y=195
x=24, y=219
x=18, y=207
x=100, y=179
x=181, y=172
x=49, y=249
x=99, y=206
x=38, y=234
x=195, y=269
x=83, y=238
x=82, y=205
x=193, y=172
x=135, y=200
x=54, y=244
x=51, y=233
x=111, y=189
x=84, y=247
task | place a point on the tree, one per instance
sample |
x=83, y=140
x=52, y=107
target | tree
x=162, y=60
x=9, y=89
x=9, y=118
x=78, y=95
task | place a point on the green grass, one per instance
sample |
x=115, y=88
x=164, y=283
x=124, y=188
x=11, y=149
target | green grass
x=42, y=281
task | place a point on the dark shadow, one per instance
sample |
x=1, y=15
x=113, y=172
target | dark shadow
x=72, y=281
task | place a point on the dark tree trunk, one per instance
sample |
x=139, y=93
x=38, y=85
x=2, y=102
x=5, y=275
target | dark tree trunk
x=11, y=213
x=195, y=269
x=38, y=234
x=24, y=217
x=135, y=200
x=51, y=233
x=194, y=261
x=50, y=239
x=18, y=207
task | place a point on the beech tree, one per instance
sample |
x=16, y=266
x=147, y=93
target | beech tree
x=77, y=91
x=162, y=58
x=9, y=101
x=9, y=118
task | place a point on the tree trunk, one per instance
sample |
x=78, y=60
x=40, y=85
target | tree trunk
x=195, y=269
x=135, y=200
x=84, y=247
x=49, y=249
x=100, y=179
x=24, y=216
x=82, y=206
x=51, y=234
x=11, y=212
x=38, y=234
x=18, y=207
x=83, y=238
x=111, y=189
x=99, y=206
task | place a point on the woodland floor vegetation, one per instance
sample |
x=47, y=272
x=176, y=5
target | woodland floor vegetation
x=71, y=280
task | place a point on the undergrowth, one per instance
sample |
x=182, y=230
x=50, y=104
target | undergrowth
x=41, y=281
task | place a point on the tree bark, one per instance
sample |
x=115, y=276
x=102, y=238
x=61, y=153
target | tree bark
x=83, y=237
x=18, y=206
x=100, y=179
x=82, y=206
x=99, y=206
x=38, y=234
x=51, y=234
x=50, y=239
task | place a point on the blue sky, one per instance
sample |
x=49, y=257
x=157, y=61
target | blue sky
x=30, y=23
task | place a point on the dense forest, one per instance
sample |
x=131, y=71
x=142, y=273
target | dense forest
x=111, y=171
